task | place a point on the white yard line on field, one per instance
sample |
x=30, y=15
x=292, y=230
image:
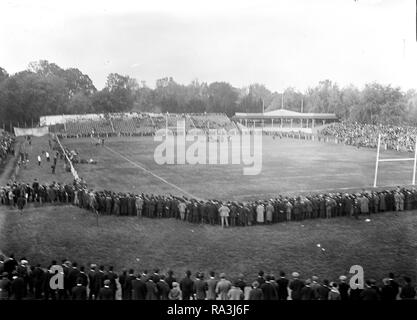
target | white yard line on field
x=140, y=166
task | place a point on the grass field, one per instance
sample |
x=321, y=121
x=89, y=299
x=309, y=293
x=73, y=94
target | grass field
x=288, y=166
x=387, y=243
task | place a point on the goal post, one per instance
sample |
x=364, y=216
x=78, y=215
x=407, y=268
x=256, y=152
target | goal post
x=378, y=160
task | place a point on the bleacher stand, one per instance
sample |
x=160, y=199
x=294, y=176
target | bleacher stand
x=139, y=124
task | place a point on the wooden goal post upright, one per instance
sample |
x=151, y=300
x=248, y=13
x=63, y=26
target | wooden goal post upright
x=378, y=160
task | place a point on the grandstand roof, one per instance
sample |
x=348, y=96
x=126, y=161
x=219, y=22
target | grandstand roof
x=283, y=113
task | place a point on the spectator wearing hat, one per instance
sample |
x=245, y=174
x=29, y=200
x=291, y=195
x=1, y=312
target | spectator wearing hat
x=295, y=286
x=240, y=282
x=387, y=291
x=128, y=284
x=5, y=286
x=343, y=288
x=162, y=288
x=282, y=286
x=269, y=212
x=10, y=265
x=307, y=293
x=112, y=276
x=256, y=293
x=211, y=286
x=18, y=289
x=223, y=287
x=235, y=293
x=268, y=290
x=138, y=289
x=334, y=293
x=224, y=215
x=187, y=286
x=394, y=284
x=260, y=277
x=370, y=292
x=170, y=278
x=408, y=292
x=260, y=213
x=93, y=293
x=151, y=290
x=323, y=290
x=175, y=292
x=106, y=293
x=314, y=286
x=200, y=287
x=79, y=292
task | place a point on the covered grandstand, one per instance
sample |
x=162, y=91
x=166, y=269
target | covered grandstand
x=285, y=120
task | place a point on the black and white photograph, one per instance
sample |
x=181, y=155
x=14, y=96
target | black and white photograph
x=211, y=154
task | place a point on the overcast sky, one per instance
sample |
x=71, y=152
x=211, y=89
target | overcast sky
x=275, y=42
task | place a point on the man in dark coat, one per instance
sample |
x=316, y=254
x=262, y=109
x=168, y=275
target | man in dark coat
x=370, y=292
x=408, y=292
x=128, y=284
x=138, y=288
x=256, y=293
x=200, y=287
x=79, y=292
x=38, y=278
x=187, y=286
x=307, y=292
x=122, y=281
x=73, y=275
x=322, y=292
x=163, y=289
x=112, y=276
x=260, y=279
x=269, y=292
x=106, y=293
x=10, y=265
x=296, y=285
x=151, y=290
x=92, y=282
x=170, y=278
x=99, y=280
x=18, y=288
x=282, y=286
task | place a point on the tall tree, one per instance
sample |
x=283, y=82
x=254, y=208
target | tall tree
x=222, y=98
x=3, y=74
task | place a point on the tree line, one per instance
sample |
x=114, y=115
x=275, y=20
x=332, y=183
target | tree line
x=44, y=88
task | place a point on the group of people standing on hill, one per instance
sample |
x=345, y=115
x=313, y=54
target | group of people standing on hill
x=6, y=145
x=20, y=280
x=214, y=212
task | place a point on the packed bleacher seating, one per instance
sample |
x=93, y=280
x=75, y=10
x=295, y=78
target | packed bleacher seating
x=138, y=124
x=212, y=121
x=400, y=138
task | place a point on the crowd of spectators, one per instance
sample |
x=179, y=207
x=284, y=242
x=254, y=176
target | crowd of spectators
x=21, y=280
x=139, y=124
x=214, y=212
x=400, y=138
x=6, y=145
